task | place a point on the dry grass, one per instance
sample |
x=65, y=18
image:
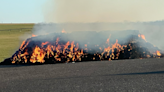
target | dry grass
x=10, y=40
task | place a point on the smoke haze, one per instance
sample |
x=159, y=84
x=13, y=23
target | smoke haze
x=61, y=11
x=99, y=15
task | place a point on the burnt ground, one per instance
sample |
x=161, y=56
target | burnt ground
x=135, y=75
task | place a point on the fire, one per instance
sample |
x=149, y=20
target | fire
x=22, y=45
x=142, y=36
x=63, y=31
x=71, y=51
x=34, y=35
x=158, y=53
x=44, y=43
x=107, y=41
x=37, y=55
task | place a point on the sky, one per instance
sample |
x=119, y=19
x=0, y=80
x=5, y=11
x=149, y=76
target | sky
x=21, y=11
x=36, y=11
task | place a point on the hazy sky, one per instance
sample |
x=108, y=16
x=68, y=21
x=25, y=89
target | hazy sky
x=21, y=11
x=80, y=10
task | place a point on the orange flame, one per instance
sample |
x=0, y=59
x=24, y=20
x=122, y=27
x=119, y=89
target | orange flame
x=71, y=51
x=72, y=46
x=34, y=35
x=158, y=53
x=57, y=40
x=44, y=43
x=142, y=36
x=63, y=31
x=107, y=41
x=37, y=55
x=22, y=44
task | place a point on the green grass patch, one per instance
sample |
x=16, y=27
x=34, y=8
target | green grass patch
x=10, y=40
x=15, y=26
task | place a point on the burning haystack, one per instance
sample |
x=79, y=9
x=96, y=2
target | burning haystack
x=83, y=46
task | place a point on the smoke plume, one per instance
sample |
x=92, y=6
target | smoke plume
x=61, y=11
x=100, y=15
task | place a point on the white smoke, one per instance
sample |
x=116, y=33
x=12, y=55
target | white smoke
x=99, y=15
x=84, y=11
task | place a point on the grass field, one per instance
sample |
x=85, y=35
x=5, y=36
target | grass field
x=10, y=40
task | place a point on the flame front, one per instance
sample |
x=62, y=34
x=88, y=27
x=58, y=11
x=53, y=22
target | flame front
x=59, y=51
